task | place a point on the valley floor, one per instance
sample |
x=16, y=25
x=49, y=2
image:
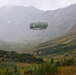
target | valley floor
x=24, y=67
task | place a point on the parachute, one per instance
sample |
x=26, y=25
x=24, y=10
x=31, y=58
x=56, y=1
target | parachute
x=38, y=25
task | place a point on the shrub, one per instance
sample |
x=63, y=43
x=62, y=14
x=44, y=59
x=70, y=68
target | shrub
x=46, y=69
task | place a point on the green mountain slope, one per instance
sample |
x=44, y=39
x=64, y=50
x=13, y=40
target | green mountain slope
x=61, y=45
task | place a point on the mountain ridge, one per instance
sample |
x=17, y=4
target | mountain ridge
x=14, y=25
x=23, y=15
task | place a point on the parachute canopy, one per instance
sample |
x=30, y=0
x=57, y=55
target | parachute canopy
x=38, y=25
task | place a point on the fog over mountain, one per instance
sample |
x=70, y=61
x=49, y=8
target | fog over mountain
x=15, y=22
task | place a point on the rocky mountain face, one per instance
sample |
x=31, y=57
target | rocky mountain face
x=15, y=22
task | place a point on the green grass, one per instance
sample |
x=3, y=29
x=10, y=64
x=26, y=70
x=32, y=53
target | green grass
x=21, y=67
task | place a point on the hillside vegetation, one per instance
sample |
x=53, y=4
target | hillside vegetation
x=13, y=56
x=65, y=44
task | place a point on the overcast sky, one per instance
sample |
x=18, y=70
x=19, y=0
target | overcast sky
x=41, y=4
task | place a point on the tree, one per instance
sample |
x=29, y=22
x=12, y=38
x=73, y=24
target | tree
x=52, y=60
